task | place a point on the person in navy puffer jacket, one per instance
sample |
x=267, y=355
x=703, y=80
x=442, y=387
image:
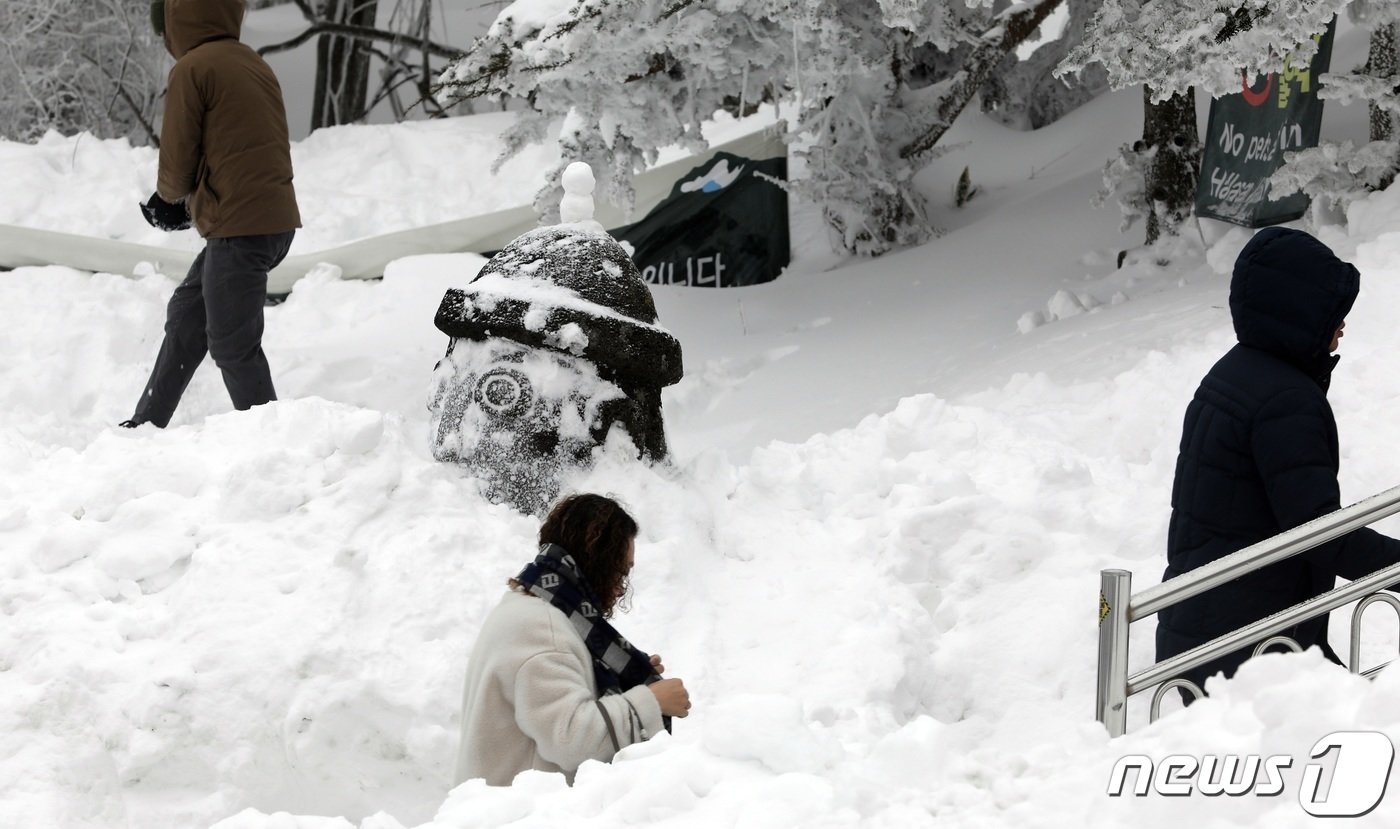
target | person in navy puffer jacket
x=1259, y=452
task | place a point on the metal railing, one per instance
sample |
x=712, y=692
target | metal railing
x=1118, y=608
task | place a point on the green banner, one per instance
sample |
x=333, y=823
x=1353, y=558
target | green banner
x=1248, y=134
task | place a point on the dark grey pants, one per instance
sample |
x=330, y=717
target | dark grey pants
x=217, y=310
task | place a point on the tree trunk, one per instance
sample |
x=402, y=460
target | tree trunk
x=1381, y=63
x=342, y=65
x=1169, y=133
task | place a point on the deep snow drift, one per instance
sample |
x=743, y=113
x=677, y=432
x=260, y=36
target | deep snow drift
x=882, y=600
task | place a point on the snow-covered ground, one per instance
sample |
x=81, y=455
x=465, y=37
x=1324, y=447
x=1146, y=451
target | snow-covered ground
x=874, y=561
x=351, y=182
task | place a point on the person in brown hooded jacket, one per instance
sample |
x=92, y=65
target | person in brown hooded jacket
x=225, y=164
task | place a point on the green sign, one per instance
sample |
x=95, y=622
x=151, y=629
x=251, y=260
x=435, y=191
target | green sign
x=1248, y=135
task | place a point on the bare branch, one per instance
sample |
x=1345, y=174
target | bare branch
x=325, y=27
x=121, y=76
x=130, y=102
x=72, y=60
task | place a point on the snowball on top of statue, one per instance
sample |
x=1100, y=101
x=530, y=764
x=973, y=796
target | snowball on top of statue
x=576, y=207
x=570, y=287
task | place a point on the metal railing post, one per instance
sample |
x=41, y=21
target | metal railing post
x=1155, y=713
x=1115, y=593
x=1355, y=664
x=1287, y=642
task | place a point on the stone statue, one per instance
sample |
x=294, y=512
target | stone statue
x=554, y=344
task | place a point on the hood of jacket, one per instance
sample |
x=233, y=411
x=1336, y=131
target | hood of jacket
x=1289, y=294
x=188, y=23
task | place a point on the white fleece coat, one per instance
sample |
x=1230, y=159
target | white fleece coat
x=531, y=701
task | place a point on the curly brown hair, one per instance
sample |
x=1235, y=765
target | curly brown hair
x=596, y=531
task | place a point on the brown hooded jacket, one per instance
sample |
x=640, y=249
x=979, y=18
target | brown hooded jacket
x=223, y=143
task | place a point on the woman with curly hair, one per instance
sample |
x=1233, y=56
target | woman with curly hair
x=550, y=682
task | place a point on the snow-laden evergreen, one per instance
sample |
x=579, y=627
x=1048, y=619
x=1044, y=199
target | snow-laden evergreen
x=1335, y=173
x=865, y=93
x=1173, y=46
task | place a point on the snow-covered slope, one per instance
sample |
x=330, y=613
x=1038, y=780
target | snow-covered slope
x=874, y=561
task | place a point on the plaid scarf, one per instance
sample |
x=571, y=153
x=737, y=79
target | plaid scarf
x=617, y=665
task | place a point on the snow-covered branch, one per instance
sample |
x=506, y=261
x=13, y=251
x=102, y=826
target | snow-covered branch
x=1173, y=45
x=1337, y=173
x=1012, y=28
x=74, y=65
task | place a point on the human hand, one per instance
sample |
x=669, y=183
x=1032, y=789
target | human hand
x=672, y=696
x=163, y=215
x=656, y=664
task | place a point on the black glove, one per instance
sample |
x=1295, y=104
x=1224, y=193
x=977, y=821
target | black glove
x=163, y=215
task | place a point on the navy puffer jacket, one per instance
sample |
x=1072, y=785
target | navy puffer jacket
x=1259, y=451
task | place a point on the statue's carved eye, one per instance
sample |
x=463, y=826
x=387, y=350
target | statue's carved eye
x=503, y=392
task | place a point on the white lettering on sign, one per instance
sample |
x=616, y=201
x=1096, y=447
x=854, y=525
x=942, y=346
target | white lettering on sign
x=1231, y=140
x=695, y=270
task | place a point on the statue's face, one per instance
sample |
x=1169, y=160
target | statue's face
x=516, y=415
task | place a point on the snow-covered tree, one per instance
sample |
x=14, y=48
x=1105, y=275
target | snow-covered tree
x=1125, y=183
x=1154, y=177
x=1337, y=173
x=1024, y=94
x=75, y=65
x=1173, y=46
x=865, y=95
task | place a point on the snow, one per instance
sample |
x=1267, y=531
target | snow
x=874, y=559
x=577, y=204
x=542, y=295
x=532, y=15
x=560, y=394
x=569, y=337
x=1048, y=32
x=352, y=182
